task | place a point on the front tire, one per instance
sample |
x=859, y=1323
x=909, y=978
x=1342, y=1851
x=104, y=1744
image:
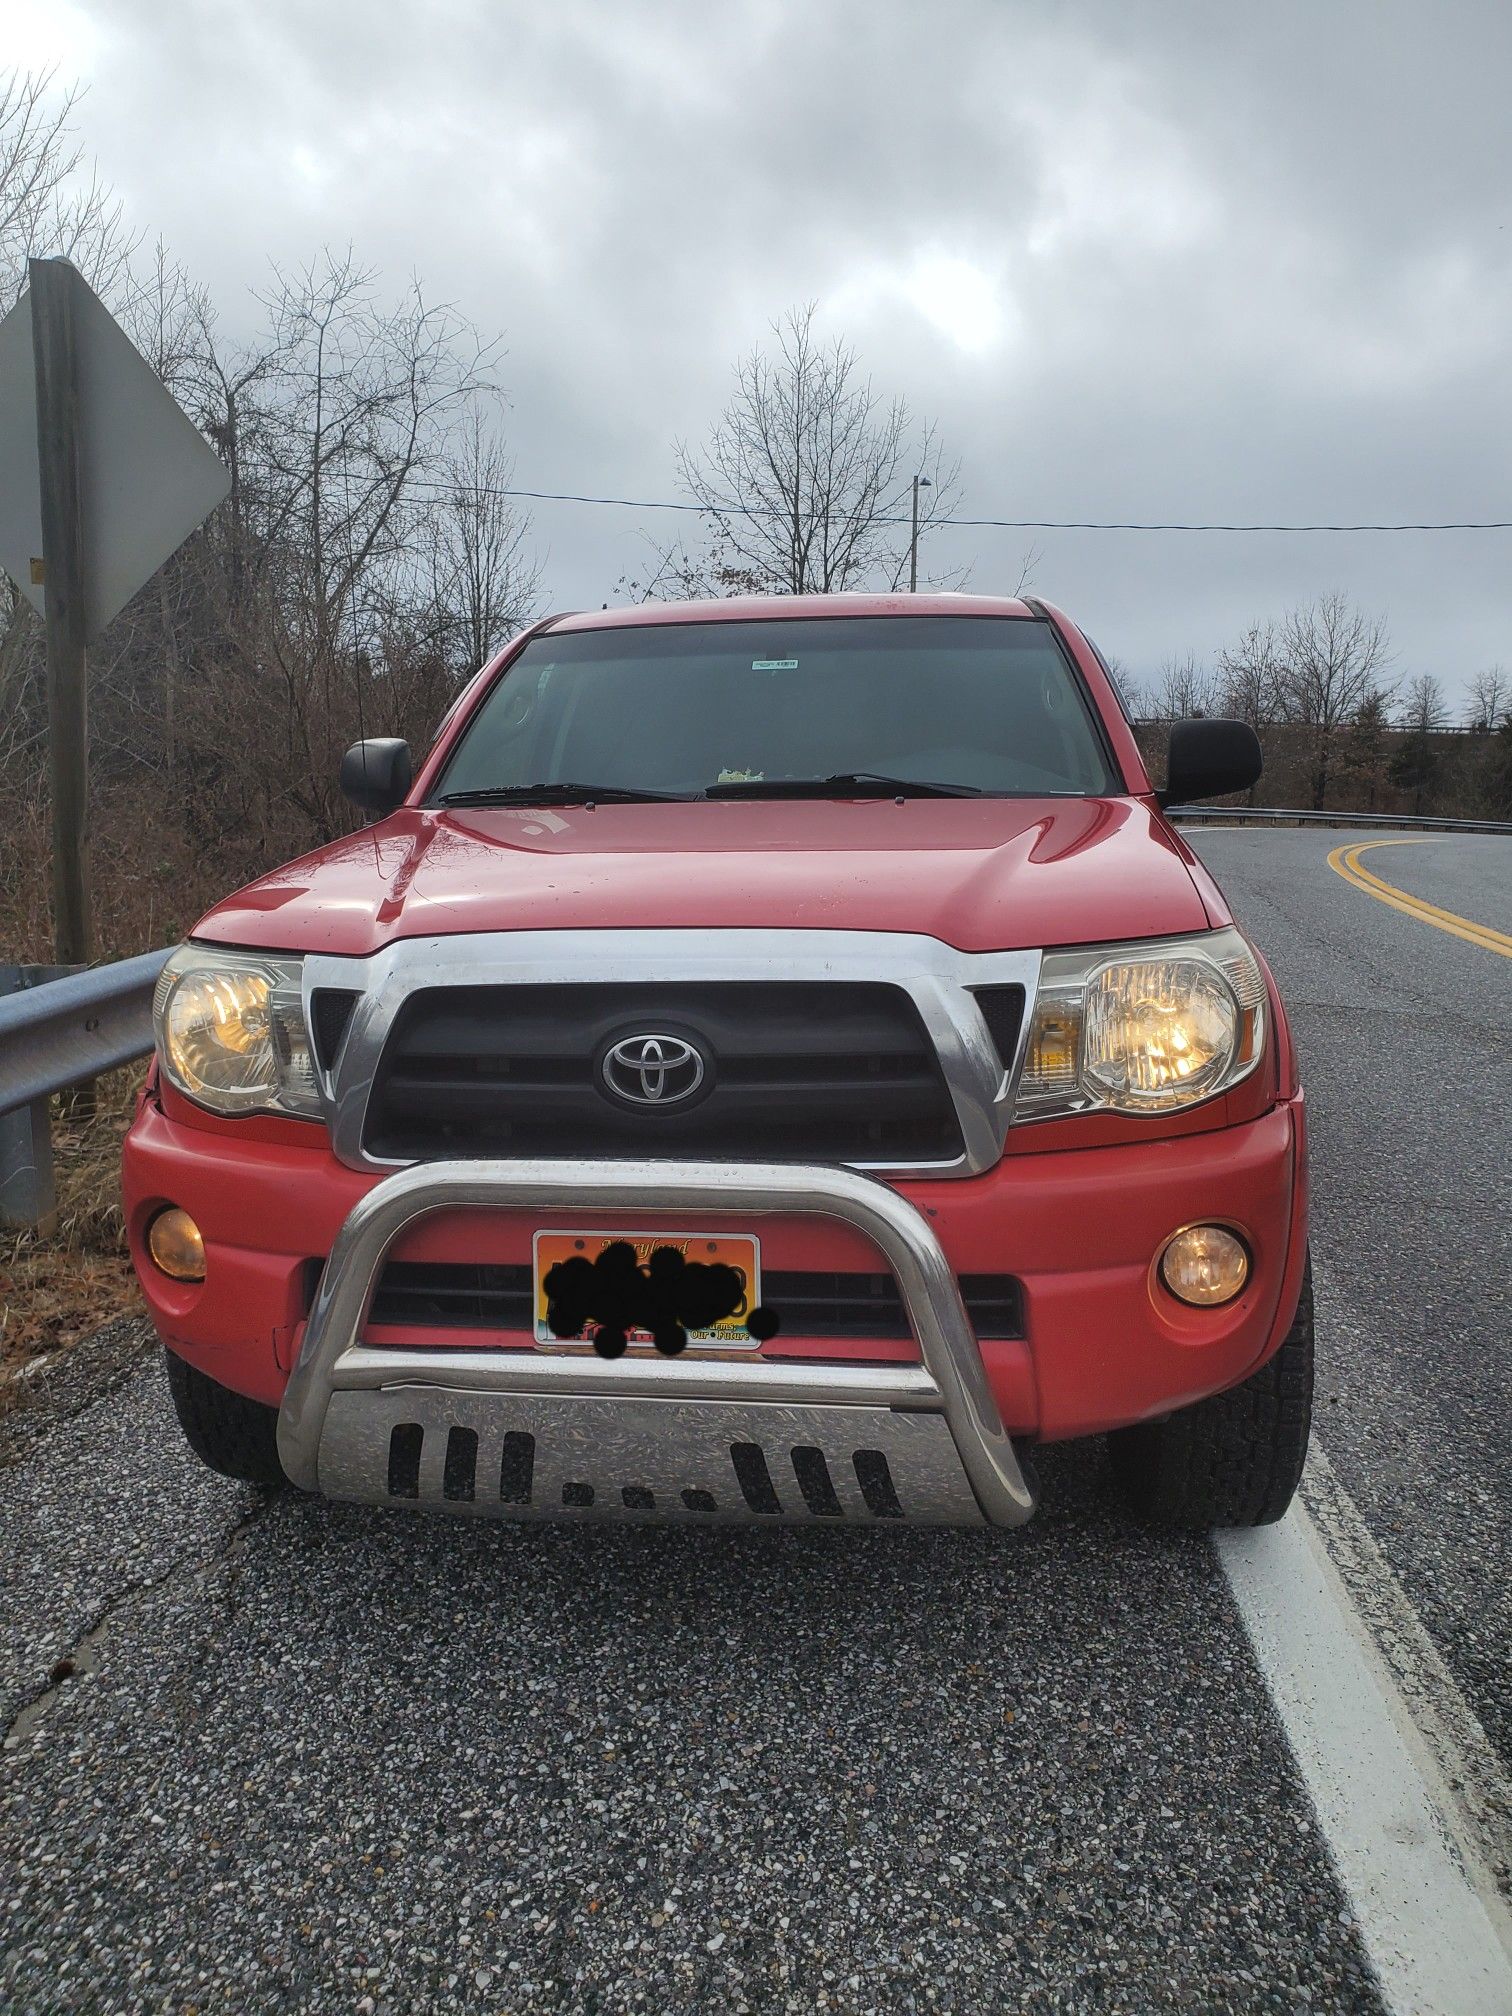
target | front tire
x=1235, y=1459
x=236, y=1436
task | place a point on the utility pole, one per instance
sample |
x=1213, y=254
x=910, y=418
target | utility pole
x=52, y=283
x=919, y=483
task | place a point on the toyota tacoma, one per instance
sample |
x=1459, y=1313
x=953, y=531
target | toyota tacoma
x=775, y=1060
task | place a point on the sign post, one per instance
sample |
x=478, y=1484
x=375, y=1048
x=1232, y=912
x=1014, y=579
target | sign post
x=102, y=477
x=52, y=324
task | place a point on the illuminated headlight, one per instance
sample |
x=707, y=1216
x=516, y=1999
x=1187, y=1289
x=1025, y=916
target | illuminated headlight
x=1145, y=1028
x=231, y=1032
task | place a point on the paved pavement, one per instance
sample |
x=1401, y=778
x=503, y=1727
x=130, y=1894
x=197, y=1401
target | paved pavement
x=1405, y=1036
x=271, y=1754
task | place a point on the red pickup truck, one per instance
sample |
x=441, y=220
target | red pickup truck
x=774, y=1061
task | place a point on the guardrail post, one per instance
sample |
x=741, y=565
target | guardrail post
x=28, y=1195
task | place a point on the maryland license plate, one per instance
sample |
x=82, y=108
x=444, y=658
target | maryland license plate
x=637, y=1292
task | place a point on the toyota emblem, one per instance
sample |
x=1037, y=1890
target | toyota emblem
x=653, y=1070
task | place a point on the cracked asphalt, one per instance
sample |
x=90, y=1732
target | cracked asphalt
x=265, y=1753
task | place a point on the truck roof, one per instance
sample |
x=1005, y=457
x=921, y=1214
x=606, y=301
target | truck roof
x=756, y=608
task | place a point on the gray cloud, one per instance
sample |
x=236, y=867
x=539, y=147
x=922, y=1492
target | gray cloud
x=1163, y=261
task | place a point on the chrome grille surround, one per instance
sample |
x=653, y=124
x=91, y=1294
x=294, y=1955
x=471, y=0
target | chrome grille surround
x=936, y=977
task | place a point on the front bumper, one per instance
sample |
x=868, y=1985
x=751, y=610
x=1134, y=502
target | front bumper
x=1101, y=1347
x=755, y=1439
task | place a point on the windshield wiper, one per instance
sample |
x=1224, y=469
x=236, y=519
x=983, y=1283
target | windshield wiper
x=845, y=783
x=559, y=794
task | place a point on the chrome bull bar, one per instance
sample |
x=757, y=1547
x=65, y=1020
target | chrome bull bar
x=345, y=1399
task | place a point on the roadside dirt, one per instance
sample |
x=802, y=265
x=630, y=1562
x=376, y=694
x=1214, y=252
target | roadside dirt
x=59, y=1285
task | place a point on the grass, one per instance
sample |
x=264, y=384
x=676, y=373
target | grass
x=58, y=1286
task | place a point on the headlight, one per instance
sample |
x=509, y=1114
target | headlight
x=1145, y=1028
x=231, y=1032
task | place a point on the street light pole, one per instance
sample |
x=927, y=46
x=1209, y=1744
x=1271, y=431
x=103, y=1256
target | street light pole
x=919, y=483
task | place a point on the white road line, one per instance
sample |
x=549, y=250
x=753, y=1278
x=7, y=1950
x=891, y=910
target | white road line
x=1440, y=1715
x=1438, y=1934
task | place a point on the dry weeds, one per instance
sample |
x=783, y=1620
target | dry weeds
x=58, y=1287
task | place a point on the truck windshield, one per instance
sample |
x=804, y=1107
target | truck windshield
x=977, y=704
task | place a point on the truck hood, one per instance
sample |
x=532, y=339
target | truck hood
x=980, y=874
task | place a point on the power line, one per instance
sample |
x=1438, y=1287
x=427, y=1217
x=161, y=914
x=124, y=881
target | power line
x=990, y=524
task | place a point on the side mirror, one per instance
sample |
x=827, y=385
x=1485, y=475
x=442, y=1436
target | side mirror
x=376, y=774
x=1209, y=759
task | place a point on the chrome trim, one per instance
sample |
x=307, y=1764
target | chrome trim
x=936, y=976
x=950, y=1379
x=790, y=1382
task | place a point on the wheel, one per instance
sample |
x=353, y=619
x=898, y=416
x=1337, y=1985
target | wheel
x=1233, y=1460
x=238, y=1437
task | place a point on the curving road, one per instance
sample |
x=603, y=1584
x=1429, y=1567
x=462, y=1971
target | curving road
x=1404, y=1026
x=268, y=1754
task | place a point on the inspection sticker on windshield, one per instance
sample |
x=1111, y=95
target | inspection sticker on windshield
x=774, y=664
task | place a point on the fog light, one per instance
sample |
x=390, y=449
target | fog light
x=1204, y=1265
x=173, y=1240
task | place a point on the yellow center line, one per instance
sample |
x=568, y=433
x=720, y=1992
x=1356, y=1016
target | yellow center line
x=1345, y=861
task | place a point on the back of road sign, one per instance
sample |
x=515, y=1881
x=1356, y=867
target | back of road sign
x=146, y=476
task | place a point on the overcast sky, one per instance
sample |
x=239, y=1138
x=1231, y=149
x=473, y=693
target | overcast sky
x=1154, y=260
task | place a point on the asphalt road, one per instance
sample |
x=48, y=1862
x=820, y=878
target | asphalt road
x=1405, y=1037
x=268, y=1754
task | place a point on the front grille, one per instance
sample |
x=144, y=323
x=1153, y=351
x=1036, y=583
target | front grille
x=1003, y=1011
x=433, y=1295
x=794, y=1070
x=332, y=1008
x=437, y=1295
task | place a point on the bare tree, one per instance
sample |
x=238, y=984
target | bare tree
x=230, y=404
x=806, y=479
x=485, y=583
x=167, y=317
x=20, y=641
x=1250, y=683
x=1251, y=677
x=365, y=558
x=1419, y=757
x=1334, y=660
x=1363, y=749
x=1029, y=561
x=1490, y=699
x=673, y=574
x=350, y=407
x=1184, y=688
x=52, y=202
x=1423, y=708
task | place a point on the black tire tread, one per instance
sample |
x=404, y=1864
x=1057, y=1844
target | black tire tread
x=1235, y=1459
x=234, y=1435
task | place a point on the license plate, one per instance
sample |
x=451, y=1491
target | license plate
x=742, y=1253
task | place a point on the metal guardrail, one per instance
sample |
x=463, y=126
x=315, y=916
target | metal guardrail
x=56, y=1032
x=1270, y=815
